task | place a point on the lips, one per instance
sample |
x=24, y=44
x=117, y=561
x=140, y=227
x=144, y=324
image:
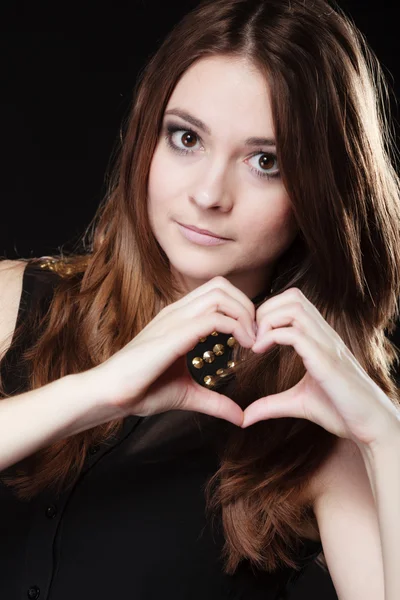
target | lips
x=204, y=231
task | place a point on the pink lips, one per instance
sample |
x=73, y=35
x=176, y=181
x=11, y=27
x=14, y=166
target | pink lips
x=201, y=236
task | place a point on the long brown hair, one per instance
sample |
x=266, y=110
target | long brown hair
x=335, y=152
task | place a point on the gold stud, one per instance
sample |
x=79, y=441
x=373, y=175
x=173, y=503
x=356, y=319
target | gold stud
x=202, y=339
x=231, y=363
x=197, y=362
x=218, y=349
x=208, y=380
x=221, y=373
x=209, y=356
x=49, y=263
x=214, y=333
x=231, y=341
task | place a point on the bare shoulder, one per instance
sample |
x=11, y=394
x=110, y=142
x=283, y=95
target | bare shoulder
x=11, y=277
x=345, y=460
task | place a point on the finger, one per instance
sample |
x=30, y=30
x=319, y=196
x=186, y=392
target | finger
x=216, y=301
x=275, y=406
x=294, y=314
x=220, y=283
x=317, y=361
x=296, y=295
x=219, y=301
x=215, y=321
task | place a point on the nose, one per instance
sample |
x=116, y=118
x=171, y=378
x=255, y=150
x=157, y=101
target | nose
x=212, y=191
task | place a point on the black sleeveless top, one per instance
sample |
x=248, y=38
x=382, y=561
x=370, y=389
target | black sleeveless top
x=134, y=525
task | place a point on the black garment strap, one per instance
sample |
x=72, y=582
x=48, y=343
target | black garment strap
x=37, y=289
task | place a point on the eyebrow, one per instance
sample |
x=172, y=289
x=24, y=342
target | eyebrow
x=251, y=141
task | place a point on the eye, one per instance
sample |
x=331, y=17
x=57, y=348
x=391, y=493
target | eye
x=189, y=137
x=267, y=158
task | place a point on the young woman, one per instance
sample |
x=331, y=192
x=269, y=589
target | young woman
x=201, y=399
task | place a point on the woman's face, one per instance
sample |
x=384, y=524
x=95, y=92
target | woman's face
x=221, y=183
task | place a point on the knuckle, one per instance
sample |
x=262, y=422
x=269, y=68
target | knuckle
x=217, y=295
x=296, y=293
x=340, y=350
x=165, y=311
x=219, y=280
x=336, y=356
x=217, y=317
x=298, y=307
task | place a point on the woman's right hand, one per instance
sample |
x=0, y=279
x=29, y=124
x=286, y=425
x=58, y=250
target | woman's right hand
x=149, y=375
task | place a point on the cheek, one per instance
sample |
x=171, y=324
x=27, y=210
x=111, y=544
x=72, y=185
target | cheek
x=272, y=225
x=164, y=178
x=158, y=191
x=156, y=178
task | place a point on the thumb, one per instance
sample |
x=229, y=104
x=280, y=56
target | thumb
x=212, y=403
x=275, y=406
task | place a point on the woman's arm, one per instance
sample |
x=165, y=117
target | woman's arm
x=383, y=466
x=37, y=418
x=346, y=513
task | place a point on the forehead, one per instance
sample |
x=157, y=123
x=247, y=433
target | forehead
x=226, y=93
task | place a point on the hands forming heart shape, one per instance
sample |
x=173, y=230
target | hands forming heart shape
x=149, y=374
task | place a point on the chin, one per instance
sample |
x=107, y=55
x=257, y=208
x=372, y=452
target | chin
x=199, y=272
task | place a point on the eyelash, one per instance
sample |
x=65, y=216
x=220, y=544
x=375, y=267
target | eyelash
x=171, y=129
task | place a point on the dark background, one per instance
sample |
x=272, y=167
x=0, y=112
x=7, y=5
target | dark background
x=67, y=73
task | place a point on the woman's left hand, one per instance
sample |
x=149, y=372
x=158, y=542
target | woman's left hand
x=335, y=392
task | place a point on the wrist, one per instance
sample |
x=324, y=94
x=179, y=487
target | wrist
x=88, y=402
x=388, y=444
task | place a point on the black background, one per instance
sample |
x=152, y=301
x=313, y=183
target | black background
x=66, y=78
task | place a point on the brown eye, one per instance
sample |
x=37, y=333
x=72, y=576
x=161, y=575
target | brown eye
x=266, y=161
x=188, y=139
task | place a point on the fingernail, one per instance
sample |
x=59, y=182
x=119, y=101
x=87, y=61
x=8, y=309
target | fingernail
x=255, y=327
